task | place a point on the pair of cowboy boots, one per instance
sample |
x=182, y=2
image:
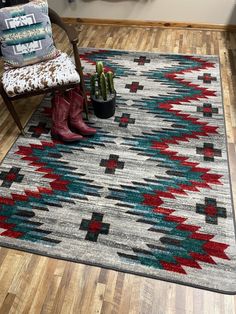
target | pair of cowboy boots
x=67, y=121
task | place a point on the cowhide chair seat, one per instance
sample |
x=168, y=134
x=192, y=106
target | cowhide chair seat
x=44, y=75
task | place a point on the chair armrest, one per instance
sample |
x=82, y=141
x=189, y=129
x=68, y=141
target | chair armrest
x=70, y=30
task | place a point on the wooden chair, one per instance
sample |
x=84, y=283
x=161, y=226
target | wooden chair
x=73, y=38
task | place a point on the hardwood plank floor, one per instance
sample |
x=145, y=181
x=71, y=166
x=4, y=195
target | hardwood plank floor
x=36, y=284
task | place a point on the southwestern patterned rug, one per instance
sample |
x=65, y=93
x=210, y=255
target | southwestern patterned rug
x=149, y=194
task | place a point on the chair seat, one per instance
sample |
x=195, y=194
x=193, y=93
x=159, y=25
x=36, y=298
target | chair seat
x=36, y=77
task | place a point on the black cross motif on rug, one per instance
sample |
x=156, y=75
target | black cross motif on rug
x=124, y=120
x=207, y=110
x=10, y=177
x=94, y=227
x=211, y=211
x=38, y=130
x=134, y=87
x=208, y=151
x=142, y=60
x=112, y=164
x=207, y=78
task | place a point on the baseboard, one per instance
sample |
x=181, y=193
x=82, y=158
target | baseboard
x=140, y=23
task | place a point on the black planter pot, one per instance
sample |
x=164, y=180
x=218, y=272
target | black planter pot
x=104, y=109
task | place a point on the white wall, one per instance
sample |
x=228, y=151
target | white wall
x=199, y=11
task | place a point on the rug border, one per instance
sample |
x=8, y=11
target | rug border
x=178, y=282
x=227, y=153
x=34, y=251
x=153, y=52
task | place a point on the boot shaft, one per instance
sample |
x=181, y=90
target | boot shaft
x=76, y=111
x=60, y=110
x=77, y=105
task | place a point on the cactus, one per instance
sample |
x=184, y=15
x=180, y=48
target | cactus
x=97, y=94
x=93, y=84
x=102, y=85
x=110, y=82
x=99, y=67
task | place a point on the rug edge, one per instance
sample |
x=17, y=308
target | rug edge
x=151, y=52
x=117, y=269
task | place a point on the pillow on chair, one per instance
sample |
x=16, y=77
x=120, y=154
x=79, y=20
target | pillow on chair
x=26, y=34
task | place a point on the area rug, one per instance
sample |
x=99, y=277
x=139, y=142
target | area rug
x=149, y=194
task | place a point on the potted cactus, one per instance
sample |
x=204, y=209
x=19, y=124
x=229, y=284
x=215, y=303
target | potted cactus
x=103, y=94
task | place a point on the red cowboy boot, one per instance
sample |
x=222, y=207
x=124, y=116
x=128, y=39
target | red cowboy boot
x=60, y=114
x=75, y=116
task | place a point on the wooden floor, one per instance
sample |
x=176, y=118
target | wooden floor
x=34, y=284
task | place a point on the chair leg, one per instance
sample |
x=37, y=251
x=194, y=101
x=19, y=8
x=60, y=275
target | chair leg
x=11, y=109
x=85, y=100
x=80, y=71
x=83, y=89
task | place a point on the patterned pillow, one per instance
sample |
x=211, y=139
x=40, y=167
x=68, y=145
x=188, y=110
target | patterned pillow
x=26, y=34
